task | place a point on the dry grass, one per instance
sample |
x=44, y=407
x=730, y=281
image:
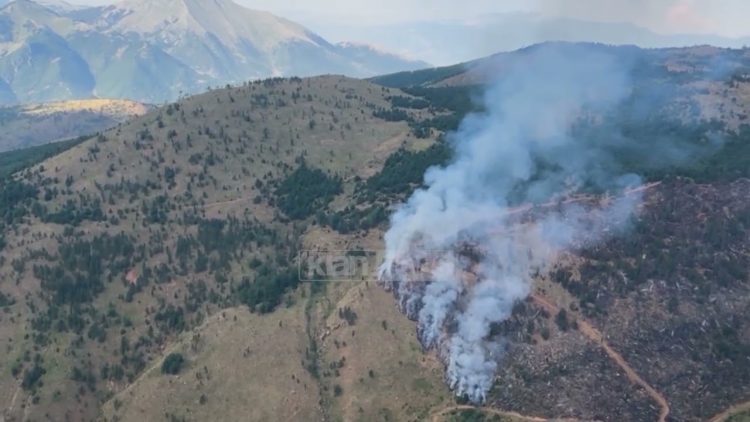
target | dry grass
x=346, y=139
x=120, y=109
x=240, y=366
x=385, y=375
x=255, y=366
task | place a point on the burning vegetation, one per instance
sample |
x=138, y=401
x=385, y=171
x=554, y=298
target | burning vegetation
x=461, y=253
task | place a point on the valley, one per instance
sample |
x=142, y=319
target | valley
x=34, y=125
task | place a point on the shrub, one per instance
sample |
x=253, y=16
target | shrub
x=172, y=364
x=305, y=191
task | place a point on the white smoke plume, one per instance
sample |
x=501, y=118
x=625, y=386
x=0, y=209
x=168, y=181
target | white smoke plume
x=458, y=256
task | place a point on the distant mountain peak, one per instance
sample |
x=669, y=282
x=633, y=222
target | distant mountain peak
x=24, y=5
x=225, y=20
x=377, y=49
x=60, y=6
x=26, y=16
x=153, y=50
x=57, y=6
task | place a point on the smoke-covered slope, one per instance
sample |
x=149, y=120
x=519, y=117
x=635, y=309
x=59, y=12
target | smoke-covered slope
x=698, y=63
x=153, y=50
x=550, y=173
x=445, y=42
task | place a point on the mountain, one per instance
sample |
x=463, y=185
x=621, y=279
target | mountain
x=37, y=61
x=61, y=7
x=155, y=50
x=371, y=59
x=154, y=271
x=452, y=41
x=692, y=63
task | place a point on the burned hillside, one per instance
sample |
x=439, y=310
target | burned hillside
x=673, y=296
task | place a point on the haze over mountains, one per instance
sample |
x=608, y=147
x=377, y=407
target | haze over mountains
x=154, y=50
x=448, y=42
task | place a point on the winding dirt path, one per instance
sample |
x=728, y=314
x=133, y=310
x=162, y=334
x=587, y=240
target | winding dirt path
x=440, y=414
x=732, y=411
x=596, y=336
x=592, y=334
x=11, y=408
x=580, y=198
x=8, y=412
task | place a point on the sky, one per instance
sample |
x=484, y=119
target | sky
x=723, y=17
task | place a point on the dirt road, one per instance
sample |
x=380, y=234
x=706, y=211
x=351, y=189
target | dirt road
x=734, y=410
x=441, y=414
x=596, y=336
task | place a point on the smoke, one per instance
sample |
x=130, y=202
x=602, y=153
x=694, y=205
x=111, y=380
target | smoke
x=458, y=255
x=662, y=16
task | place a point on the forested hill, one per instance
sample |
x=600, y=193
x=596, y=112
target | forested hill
x=117, y=245
x=150, y=272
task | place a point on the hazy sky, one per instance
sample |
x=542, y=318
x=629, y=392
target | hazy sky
x=724, y=17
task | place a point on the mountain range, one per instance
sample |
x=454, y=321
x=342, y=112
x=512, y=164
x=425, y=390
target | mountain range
x=452, y=41
x=155, y=50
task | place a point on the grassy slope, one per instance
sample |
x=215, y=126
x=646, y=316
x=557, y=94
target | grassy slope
x=218, y=144
x=376, y=362
x=245, y=366
x=742, y=417
x=256, y=367
x=13, y=161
